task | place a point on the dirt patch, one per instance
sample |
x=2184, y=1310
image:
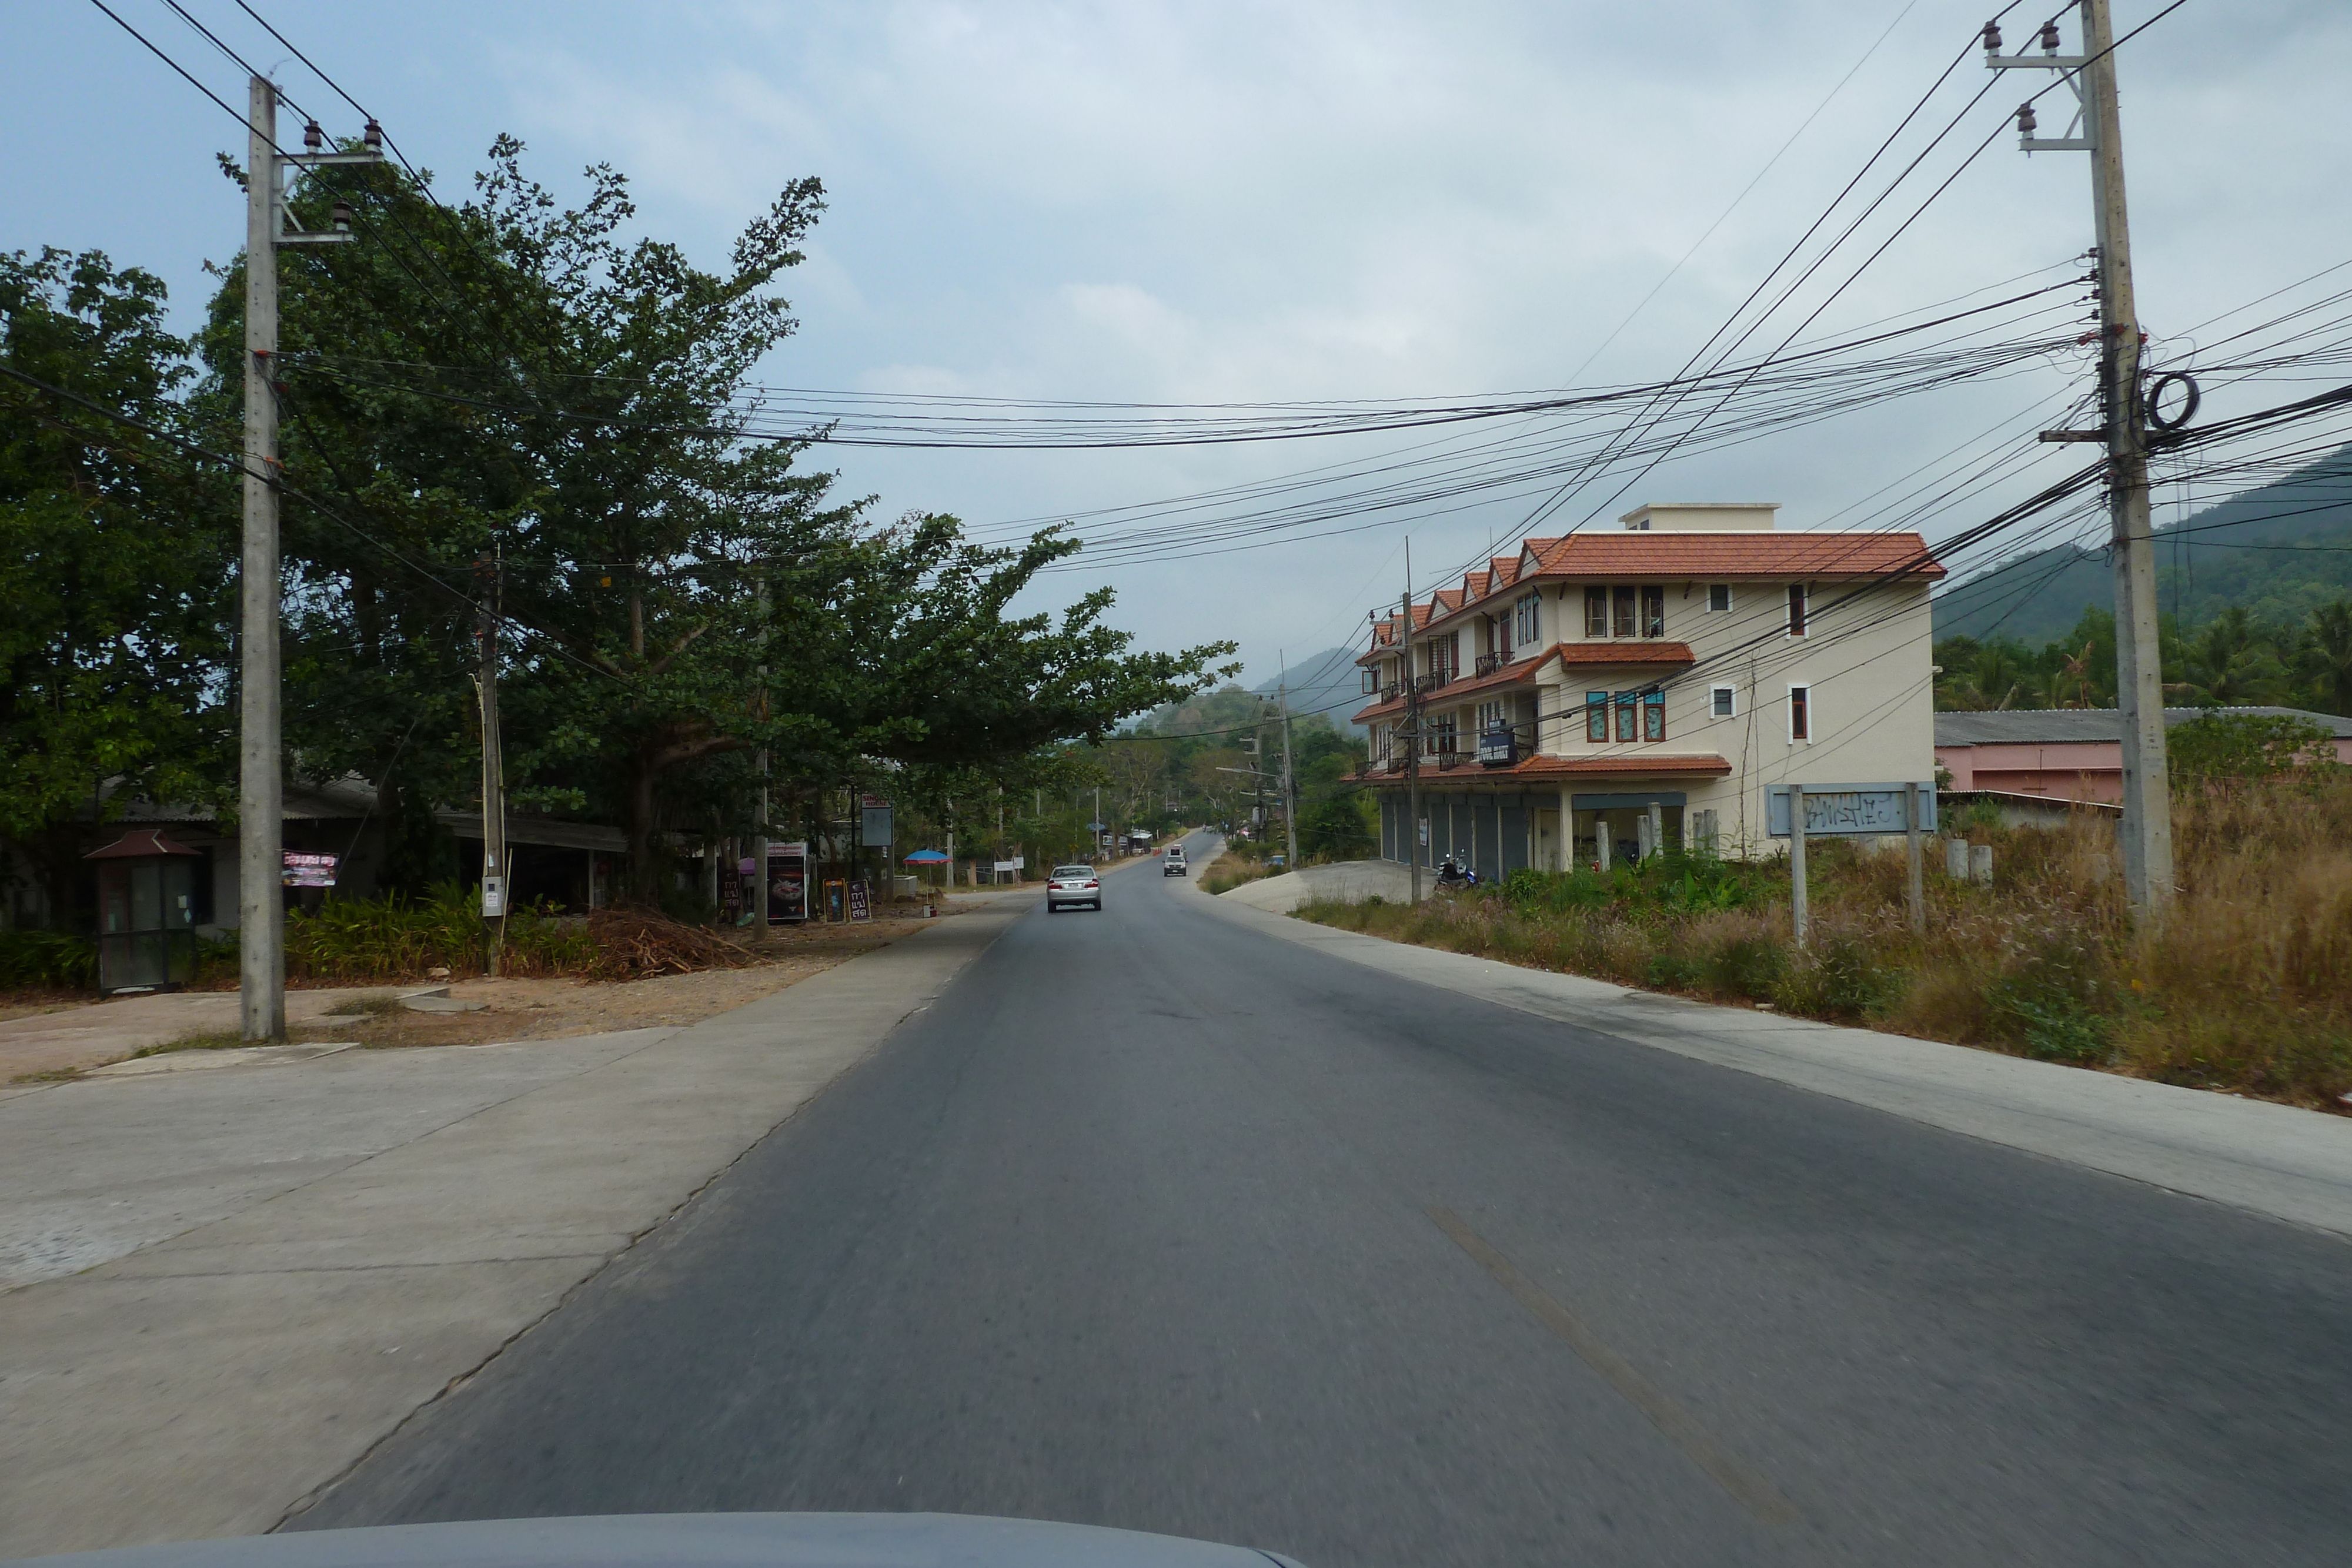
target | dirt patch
x=54, y=1037
x=29, y=1004
x=551, y=1008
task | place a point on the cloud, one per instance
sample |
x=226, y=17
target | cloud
x=1209, y=201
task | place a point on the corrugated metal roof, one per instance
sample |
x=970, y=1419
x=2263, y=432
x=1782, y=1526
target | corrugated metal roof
x=2060, y=725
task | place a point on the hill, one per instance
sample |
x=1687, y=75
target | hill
x=2280, y=551
x=1327, y=682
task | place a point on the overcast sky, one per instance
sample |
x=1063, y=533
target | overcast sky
x=1193, y=201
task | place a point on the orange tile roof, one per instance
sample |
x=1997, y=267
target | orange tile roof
x=1623, y=650
x=1740, y=555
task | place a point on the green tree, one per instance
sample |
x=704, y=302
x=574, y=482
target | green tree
x=117, y=565
x=2330, y=654
x=574, y=404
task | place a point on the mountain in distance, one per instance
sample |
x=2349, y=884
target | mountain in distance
x=2280, y=549
x=1327, y=682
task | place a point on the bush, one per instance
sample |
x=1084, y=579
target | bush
x=2221, y=746
x=47, y=958
x=1673, y=972
x=1749, y=965
x=394, y=939
x=1839, y=978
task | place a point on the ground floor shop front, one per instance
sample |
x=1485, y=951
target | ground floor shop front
x=1498, y=831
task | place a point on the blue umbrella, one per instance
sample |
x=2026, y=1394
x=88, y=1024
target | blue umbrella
x=926, y=857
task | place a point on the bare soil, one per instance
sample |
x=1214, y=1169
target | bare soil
x=58, y=1034
x=551, y=1008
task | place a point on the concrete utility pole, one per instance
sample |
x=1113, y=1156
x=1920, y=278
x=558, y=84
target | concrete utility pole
x=1413, y=729
x=497, y=876
x=759, y=878
x=260, y=795
x=1290, y=783
x=1915, y=877
x=1800, y=908
x=2147, y=827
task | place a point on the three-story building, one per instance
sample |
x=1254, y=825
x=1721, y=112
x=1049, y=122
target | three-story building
x=1595, y=696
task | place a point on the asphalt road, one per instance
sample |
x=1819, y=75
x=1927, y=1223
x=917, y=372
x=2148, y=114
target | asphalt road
x=1150, y=1222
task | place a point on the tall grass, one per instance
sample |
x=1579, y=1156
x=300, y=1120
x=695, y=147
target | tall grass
x=2246, y=986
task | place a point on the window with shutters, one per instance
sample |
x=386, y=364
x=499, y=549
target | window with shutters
x=1621, y=612
x=1653, y=613
x=1596, y=613
x=1596, y=716
x=1800, y=713
x=1653, y=715
x=1796, y=610
x=1629, y=717
x=1529, y=631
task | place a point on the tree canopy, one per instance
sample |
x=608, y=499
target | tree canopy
x=515, y=408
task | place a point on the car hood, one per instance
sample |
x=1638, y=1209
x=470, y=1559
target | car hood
x=698, y=1541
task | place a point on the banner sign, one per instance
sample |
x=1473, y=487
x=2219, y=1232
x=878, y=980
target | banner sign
x=873, y=825
x=309, y=870
x=1849, y=810
x=860, y=903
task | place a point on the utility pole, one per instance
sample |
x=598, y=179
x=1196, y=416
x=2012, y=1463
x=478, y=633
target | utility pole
x=1800, y=906
x=496, y=877
x=260, y=793
x=1413, y=729
x=760, y=874
x=1289, y=782
x=2147, y=827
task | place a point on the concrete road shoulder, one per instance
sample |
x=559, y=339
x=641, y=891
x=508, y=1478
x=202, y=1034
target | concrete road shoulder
x=207, y=1384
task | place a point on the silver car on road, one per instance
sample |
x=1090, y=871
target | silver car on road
x=1073, y=884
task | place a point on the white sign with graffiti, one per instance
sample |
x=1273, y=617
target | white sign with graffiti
x=1849, y=810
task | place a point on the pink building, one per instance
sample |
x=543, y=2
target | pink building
x=2064, y=754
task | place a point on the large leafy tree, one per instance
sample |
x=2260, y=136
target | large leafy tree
x=512, y=399
x=117, y=564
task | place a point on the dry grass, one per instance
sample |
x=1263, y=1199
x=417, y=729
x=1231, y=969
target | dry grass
x=2247, y=988
x=1229, y=873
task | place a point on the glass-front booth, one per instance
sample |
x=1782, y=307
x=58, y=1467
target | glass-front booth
x=146, y=912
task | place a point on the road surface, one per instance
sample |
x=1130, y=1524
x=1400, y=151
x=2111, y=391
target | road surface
x=1150, y=1222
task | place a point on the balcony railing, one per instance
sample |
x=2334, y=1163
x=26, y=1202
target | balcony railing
x=1391, y=692
x=1489, y=663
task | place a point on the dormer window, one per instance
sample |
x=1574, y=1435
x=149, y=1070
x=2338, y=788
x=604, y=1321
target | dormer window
x=1626, y=612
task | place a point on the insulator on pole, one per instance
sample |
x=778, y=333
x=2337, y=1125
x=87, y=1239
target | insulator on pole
x=1992, y=37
